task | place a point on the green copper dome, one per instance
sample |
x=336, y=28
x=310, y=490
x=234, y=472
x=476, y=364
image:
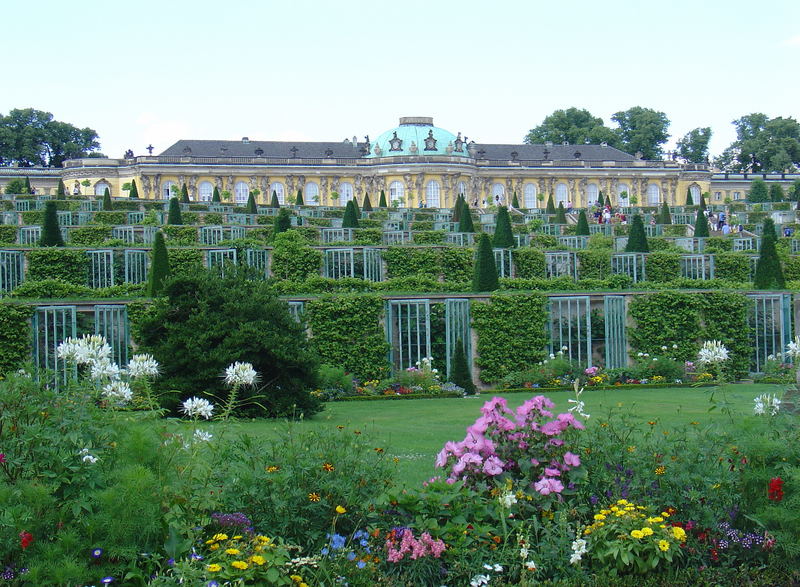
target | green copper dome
x=416, y=136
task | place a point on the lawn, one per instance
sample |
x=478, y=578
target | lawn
x=414, y=431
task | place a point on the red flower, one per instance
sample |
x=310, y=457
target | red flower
x=2, y=458
x=25, y=539
x=775, y=490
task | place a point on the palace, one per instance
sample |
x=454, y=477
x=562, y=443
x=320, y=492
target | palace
x=415, y=164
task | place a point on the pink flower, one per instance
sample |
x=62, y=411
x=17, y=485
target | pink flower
x=2, y=457
x=550, y=472
x=546, y=486
x=591, y=371
x=493, y=466
x=551, y=428
x=572, y=460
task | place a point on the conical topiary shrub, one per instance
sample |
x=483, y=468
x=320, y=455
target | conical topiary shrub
x=283, y=222
x=251, y=204
x=583, y=225
x=107, y=203
x=457, y=211
x=51, y=232
x=184, y=194
x=382, y=202
x=503, y=237
x=159, y=266
x=62, y=189
x=357, y=209
x=215, y=197
x=551, y=208
x=350, y=220
x=28, y=185
x=689, y=198
x=637, y=240
x=665, y=217
x=515, y=202
x=561, y=214
x=700, y=224
x=274, y=202
x=769, y=273
x=484, y=277
x=367, y=207
x=298, y=201
x=702, y=201
x=134, y=193
x=174, y=215
x=465, y=223
x=459, y=369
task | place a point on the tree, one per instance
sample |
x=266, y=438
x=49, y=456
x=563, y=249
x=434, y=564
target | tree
x=206, y=321
x=283, y=222
x=184, y=194
x=703, y=204
x=759, y=192
x=484, y=277
x=776, y=193
x=503, y=237
x=215, y=197
x=159, y=266
x=515, y=202
x=382, y=202
x=367, y=207
x=550, y=208
x=15, y=186
x=108, y=205
x=637, y=240
x=457, y=210
x=350, y=219
x=251, y=204
x=665, y=217
x=700, y=224
x=573, y=126
x=794, y=191
x=61, y=191
x=274, y=203
x=561, y=214
x=693, y=147
x=174, y=215
x=51, y=232
x=298, y=201
x=689, y=198
x=459, y=369
x=356, y=208
x=465, y=223
x=762, y=145
x=642, y=130
x=769, y=273
x=583, y=225
x=134, y=193
x=28, y=188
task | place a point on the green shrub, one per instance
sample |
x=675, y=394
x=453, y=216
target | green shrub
x=484, y=277
x=529, y=263
x=89, y=236
x=51, y=232
x=180, y=236
x=159, y=266
x=70, y=265
x=116, y=217
x=733, y=266
x=8, y=234
x=407, y=261
x=292, y=258
x=637, y=240
x=594, y=264
x=184, y=261
x=662, y=266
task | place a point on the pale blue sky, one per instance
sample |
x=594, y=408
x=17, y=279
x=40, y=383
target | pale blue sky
x=142, y=72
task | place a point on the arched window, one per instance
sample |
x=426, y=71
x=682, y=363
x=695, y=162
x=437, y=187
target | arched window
x=529, y=196
x=623, y=194
x=562, y=194
x=653, y=194
x=311, y=195
x=432, y=194
x=461, y=189
x=498, y=194
x=100, y=188
x=695, y=191
x=277, y=188
x=397, y=192
x=168, y=191
x=241, y=192
x=345, y=192
x=592, y=193
x=206, y=191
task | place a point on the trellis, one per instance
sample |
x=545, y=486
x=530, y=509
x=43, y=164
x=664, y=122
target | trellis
x=571, y=327
x=746, y=244
x=258, y=259
x=457, y=325
x=408, y=332
x=12, y=264
x=459, y=238
x=135, y=217
x=111, y=321
x=607, y=229
x=574, y=242
x=64, y=217
x=630, y=264
x=373, y=264
x=136, y=265
x=29, y=235
x=220, y=258
x=503, y=262
x=296, y=310
x=337, y=235
x=560, y=265
x=52, y=325
x=446, y=226
x=771, y=321
x=124, y=233
x=211, y=235
x=399, y=237
x=697, y=266
x=339, y=263
x=394, y=225
x=101, y=268
x=616, y=336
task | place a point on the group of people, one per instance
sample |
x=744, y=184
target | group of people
x=603, y=214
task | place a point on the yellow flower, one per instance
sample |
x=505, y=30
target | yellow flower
x=241, y=565
x=263, y=539
x=257, y=559
x=213, y=547
x=271, y=469
x=678, y=533
x=660, y=470
x=647, y=531
x=211, y=541
x=215, y=568
x=296, y=578
x=663, y=545
x=328, y=467
x=237, y=537
x=313, y=497
x=637, y=533
x=599, y=517
x=631, y=449
x=622, y=501
x=220, y=537
x=340, y=510
x=665, y=514
x=233, y=551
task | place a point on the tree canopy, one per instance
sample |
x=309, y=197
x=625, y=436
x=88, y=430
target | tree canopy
x=573, y=125
x=693, y=147
x=30, y=137
x=763, y=144
x=642, y=130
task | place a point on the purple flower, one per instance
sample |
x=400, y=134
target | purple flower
x=107, y=580
x=361, y=564
x=212, y=584
x=593, y=500
x=97, y=552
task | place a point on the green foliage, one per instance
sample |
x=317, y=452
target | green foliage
x=184, y=261
x=8, y=234
x=561, y=214
x=51, y=232
x=70, y=265
x=457, y=209
x=89, y=236
x=759, y=192
x=251, y=204
x=550, y=209
x=456, y=263
x=292, y=258
x=174, y=216
x=776, y=193
x=274, y=202
x=382, y=201
x=689, y=199
x=180, y=236
x=184, y=194
x=693, y=147
x=204, y=322
x=582, y=228
x=664, y=217
x=159, y=266
x=61, y=190
x=431, y=237
x=762, y=145
x=700, y=224
x=283, y=222
x=574, y=126
x=732, y=266
x=459, y=369
x=134, y=193
x=485, y=277
x=408, y=261
x=511, y=333
x=108, y=205
x=718, y=244
x=637, y=240
x=350, y=219
x=215, y=197
x=465, y=223
x=529, y=263
x=367, y=207
x=14, y=336
x=769, y=273
x=104, y=217
x=347, y=332
x=594, y=264
x=503, y=238
x=515, y=201
x=16, y=186
x=642, y=130
x=662, y=266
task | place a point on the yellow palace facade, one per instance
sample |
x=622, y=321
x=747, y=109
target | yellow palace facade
x=415, y=164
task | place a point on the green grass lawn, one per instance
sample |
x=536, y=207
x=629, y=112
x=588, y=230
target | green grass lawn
x=415, y=430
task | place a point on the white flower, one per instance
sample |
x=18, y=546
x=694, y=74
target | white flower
x=202, y=436
x=639, y=354
x=530, y=565
x=712, y=352
x=240, y=374
x=793, y=349
x=564, y=348
x=118, y=391
x=197, y=407
x=579, y=407
x=578, y=550
x=663, y=347
x=103, y=369
x=507, y=499
x=84, y=350
x=143, y=366
x=552, y=356
x=86, y=457
x=523, y=552
x=674, y=346
x=655, y=358
x=479, y=581
x=764, y=402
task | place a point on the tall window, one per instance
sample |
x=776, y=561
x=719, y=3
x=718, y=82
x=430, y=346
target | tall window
x=345, y=192
x=653, y=194
x=167, y=191
x=100, y=188
x=432, y=194
x=592, y=193
x=498, y=194
x=562, y=194
x=461, y=189
x=311, y=195
x=397, y=191
x=717, y=195
x=695, y=191
x=277, y=188
x=241, y=191
x=623, y=188
x=529, y=196
x=206, y=191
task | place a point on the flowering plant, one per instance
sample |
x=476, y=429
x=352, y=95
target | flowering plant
x=766, y=403
x=711, y=356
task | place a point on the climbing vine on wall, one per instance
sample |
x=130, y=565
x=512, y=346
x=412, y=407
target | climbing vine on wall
x=70, y=265
x=15, y=336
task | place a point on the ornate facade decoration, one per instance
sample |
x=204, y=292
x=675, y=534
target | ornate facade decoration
x=430, y=142
x=395, y=144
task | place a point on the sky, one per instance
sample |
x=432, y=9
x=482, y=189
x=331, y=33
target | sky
x=144, y=72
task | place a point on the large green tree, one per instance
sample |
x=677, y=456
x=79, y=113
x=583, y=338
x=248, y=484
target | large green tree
x=794, y=191
x=642, y=130
x=459, y=369
x=762, y=145
x=693, y=147
x=582, y=229
x=759, y=192
x=700, y=224
x=350, y=219
x=776, y=193
x=573, y=125
x=31, y=137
